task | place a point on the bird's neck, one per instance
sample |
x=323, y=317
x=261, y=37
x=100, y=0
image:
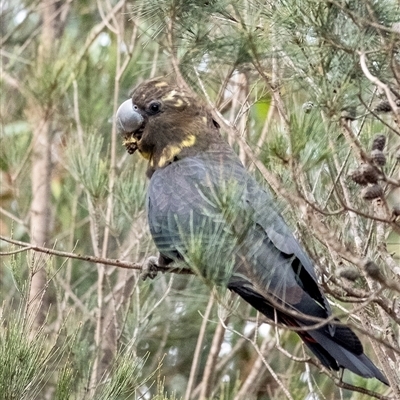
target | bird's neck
x=216, y=148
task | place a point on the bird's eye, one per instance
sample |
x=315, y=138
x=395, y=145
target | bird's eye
x=154, y=107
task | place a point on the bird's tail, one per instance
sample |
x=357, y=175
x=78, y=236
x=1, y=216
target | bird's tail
x=336, y=348
x=335, y=353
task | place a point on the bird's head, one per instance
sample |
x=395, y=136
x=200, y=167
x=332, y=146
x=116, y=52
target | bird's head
x=165, y=123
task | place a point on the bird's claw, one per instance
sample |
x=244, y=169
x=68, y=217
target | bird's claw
x=149, y=268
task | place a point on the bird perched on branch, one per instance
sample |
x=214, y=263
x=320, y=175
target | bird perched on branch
x=206, y=210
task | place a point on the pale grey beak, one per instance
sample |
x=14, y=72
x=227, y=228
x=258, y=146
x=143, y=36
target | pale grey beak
x=128, y=118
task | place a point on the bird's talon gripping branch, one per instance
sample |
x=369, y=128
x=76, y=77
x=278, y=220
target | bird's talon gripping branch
x=149, y=268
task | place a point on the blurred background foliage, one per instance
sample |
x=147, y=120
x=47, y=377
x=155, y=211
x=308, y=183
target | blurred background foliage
x=308, y=85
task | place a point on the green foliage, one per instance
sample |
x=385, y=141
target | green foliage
x=65, y=383
x=33, y=360
x=14, y=143
x=130, y=194
x=89, y=165
x=161, y=394
x=25, y=359
x=123, y=378
x=18, y=274
x=260, y=63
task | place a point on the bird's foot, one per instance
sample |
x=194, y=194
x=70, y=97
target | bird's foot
x=149, y=268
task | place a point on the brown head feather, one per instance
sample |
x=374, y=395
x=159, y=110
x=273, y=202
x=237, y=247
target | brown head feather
x=182, y=126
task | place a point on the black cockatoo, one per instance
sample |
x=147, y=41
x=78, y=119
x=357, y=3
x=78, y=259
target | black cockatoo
x=206, y=210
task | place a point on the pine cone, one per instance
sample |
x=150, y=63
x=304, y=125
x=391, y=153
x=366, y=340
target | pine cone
x=384, y=106
x=373, y=270
x=378, y=157
x=379, y=142
x=365, y=174
x=372, y=192
x=358, y=177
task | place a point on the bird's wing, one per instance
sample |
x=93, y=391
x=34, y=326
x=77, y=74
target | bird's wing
x=211, y=213
x=215, y=201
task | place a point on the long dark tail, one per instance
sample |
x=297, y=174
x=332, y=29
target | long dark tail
x=342, y=349
x=334, y=355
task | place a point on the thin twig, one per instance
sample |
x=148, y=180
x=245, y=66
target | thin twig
x=91, y=259
x=199, y=345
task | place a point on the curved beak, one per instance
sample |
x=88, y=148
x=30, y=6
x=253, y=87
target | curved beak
x=129, y=121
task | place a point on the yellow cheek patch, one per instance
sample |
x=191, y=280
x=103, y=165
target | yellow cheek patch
x=147, y=156
x=168, y=154
x=171, y=151
x=188, y=142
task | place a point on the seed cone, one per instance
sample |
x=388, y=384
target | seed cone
x=379, y=142
x=365, y=174
x=378, y=157
x=372, y=192
x=384, y=106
